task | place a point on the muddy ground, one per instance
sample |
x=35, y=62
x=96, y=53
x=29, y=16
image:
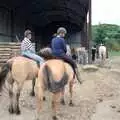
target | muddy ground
x=98, y=98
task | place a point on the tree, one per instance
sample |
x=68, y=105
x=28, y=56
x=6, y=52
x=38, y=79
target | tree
x=100, y=35
x=108, y=34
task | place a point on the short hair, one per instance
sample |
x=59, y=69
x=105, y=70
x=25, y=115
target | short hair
x=27, y=32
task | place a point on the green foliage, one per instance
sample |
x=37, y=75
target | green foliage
x=108, y=34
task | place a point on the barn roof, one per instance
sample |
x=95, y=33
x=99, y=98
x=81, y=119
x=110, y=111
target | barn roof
x=43, y=12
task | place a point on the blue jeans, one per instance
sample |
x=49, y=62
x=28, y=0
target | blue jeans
x=33, y=56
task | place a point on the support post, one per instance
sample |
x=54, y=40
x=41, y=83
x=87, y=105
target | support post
x=90, y=34
x=84, y=41
x=12, y=25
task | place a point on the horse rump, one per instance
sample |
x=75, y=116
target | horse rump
x=51, y=84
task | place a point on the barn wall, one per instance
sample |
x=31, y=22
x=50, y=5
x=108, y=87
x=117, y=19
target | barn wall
x=74, y=39
x=10, y=26
x=5, y=21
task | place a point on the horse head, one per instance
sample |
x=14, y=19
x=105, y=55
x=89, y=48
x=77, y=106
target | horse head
x=46, y=53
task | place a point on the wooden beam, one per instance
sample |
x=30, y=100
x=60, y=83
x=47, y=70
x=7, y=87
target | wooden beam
x=90, y=33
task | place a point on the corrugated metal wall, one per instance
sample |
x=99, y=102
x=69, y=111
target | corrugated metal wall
x=74, y=39
x=10, y=27
x=5, y=25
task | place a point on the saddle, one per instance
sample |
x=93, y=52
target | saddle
x=38, y=64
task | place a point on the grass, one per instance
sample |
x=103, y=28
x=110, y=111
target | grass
x=114, y=53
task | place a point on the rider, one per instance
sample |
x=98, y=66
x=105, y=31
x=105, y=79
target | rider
x=27, y=48
x=59, y=49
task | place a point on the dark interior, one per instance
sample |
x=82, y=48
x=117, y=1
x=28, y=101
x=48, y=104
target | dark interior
x=45, y=16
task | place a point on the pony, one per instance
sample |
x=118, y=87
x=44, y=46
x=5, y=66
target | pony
x=16, y=71
x=82, y=55
x=19, y=69
x=53, y=75
x=102, y=53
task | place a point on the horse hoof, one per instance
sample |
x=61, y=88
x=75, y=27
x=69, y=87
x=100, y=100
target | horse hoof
x=11, y=110
x=32, y=94
x=18, y=112
x=81, y=82
x=71, y=104
x=54, y=118
x=37, y=119
x=62, y=102
x=44, y=99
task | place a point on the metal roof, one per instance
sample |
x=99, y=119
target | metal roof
x=43, y=12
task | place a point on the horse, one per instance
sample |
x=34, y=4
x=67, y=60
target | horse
x=16, y=71
x=82, y=55
x=102, y=53
x=20, y=69
x=53, y=75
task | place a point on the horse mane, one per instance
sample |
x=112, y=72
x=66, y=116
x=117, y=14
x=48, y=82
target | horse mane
x=46, y=53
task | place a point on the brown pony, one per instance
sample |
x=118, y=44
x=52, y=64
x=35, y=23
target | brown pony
x=53, y=75
x=16, y=71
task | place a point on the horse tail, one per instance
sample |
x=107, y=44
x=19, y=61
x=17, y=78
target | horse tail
x=48, y=75
x=51, y=84
x=3, y=73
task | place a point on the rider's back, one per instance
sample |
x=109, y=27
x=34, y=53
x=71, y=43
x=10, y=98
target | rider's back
x=58, y=46
x=26, y=45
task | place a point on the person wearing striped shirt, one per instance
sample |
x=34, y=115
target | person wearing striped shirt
x=27, y=48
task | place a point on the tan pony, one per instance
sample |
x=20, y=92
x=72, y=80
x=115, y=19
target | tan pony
x=16, y=71
x=53, y=75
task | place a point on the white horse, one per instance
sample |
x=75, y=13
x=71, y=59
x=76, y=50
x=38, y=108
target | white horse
x=102, y=52
x=82, y=55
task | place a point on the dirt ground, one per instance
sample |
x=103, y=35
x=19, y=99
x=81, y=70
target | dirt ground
x=98, y=98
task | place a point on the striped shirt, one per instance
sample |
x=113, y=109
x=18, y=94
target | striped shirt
x=27, y=45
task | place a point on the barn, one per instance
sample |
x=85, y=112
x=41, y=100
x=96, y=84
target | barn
x=43, y=17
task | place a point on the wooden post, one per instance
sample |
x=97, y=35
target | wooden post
x=90, y=34
x=12, y=25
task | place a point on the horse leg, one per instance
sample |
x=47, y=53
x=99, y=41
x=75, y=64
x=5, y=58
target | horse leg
x=39, y=98
x=33, y=91
x=55, y=102
x=44, y=98
x=102, y=56
x=71, y=93
x=33, y=85
x=17, y=95
x=62, y=101
x=11, y=108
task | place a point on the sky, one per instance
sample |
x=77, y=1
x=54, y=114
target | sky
x=106, y=11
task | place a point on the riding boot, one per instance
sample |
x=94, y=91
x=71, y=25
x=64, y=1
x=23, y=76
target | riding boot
x=78, y=75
